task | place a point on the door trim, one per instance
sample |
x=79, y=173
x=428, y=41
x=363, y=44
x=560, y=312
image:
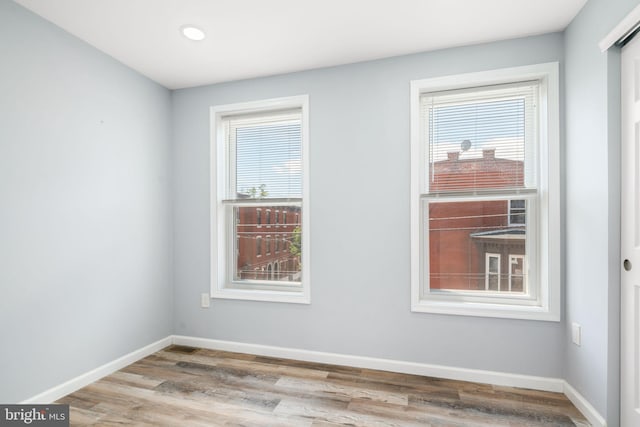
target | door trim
x=621, y=31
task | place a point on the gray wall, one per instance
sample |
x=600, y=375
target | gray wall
x=359, y=176
x=85, y=217
x=592, y=230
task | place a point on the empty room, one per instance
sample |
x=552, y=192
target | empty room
x=316, y=213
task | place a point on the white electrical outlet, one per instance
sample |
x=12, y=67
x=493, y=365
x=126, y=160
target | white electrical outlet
x=576, y=333
x=204, y=300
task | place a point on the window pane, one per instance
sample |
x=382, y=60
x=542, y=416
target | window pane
x=517, y=212
x=494, y=264
x=516, y=273
x=469, y=245
x=493, y=282
x=481, y=140
x=268, y=158
x=255, y=257
x=517, y=204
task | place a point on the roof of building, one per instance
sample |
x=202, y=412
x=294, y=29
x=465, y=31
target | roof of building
x=515, y=233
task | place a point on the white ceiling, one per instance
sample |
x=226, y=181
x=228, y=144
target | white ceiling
x=251, y=38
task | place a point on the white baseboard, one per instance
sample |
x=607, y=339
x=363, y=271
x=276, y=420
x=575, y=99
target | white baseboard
x=87, y=378
x=583, y=405
x=439, y=371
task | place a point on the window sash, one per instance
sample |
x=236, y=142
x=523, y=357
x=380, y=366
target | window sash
x=531, y=297
x=527, y=90
x=264, y=202
x=231, y=240
x=232, y=123
x=514, y=193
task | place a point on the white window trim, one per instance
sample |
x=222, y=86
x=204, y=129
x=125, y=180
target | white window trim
x=548, y=274
x=219, y=257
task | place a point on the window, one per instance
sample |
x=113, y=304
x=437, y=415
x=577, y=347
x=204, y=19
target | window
x=284, y=217
x=277, y=219
x=259, y=153
x=485, y=189
x=517, y=212
x=258, y=246
x=516, y=273
x=492, y=272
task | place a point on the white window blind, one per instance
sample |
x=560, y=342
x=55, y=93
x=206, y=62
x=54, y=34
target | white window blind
x=266, y=152
x=496, y=123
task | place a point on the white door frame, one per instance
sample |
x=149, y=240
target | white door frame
x=623, y=34
x=630, y=237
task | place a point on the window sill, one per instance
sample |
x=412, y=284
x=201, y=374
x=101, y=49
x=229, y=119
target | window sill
x=479, y=309
x=301, y=297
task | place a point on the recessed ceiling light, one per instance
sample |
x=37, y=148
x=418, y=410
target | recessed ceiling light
x=192, y=33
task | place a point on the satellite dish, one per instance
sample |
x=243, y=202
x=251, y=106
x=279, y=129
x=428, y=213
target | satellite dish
x=465, y=145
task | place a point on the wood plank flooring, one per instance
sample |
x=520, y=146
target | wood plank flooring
x=182, y=386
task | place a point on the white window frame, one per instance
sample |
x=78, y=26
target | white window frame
x=543, y=206
x=487, y=272
x=222, y=284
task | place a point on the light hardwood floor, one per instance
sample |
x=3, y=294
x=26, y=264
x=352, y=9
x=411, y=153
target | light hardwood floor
x=182, y=386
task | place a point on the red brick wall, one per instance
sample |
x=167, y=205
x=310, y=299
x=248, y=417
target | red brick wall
x=283, y=264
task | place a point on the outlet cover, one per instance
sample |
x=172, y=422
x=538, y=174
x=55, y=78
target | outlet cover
x=205, y=300
x=576, y=333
